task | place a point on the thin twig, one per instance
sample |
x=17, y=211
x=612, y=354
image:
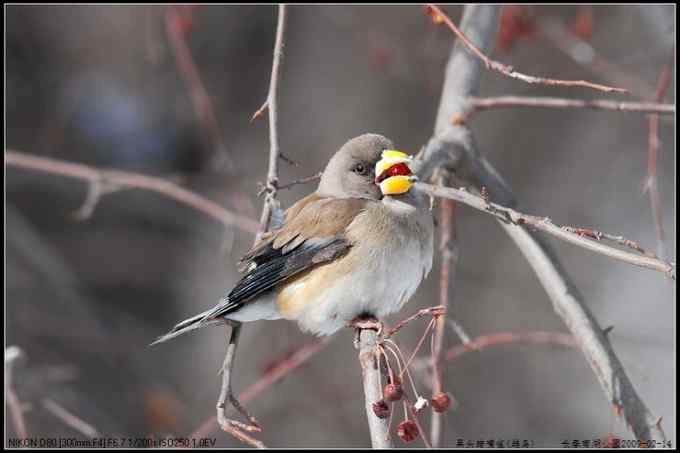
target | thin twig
x=296, y=182
x=501, y=102
x=116, y=178
x=504, y=338
x=440, y=16
x=652, y=186
x=434, y=311
x=69, y=418
x=545, y=225
x=270, y=205
x=274, y=375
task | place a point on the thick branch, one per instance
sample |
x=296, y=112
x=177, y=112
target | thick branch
x=96, y=176
x=592, y=339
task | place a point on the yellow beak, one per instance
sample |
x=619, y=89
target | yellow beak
x=399, y=183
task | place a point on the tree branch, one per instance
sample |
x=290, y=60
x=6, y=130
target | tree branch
x=203, y=106
x=448, y=247
x=270, y=207
x=544, y=224
x=116, y=178
x=369, y=358
x=502, y=102
x=452, y=143
x=439, y=16
x=283, y=369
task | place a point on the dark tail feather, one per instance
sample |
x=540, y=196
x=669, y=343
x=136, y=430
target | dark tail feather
x=195, y=322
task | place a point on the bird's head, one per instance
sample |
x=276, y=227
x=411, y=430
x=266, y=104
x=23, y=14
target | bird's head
x=367, y=166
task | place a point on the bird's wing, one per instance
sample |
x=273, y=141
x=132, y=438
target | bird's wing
x=313, y=233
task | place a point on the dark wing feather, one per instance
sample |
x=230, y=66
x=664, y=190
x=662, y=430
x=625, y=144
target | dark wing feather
x=312, y=237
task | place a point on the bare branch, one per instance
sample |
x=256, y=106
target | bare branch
x=270, y=206
x=504, y=338
x=93, y=175
x=501, y=102
x=544, y=224
x=448, y=247
x=592, y=339
x=369, y=358
x=434, y=311
x=274, y=375
x=439, y=16
x=582, y=53
x=306, y=180
x=451, y=143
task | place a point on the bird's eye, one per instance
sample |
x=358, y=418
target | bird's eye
x=359, y=169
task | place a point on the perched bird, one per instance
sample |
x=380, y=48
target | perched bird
x=358, y=246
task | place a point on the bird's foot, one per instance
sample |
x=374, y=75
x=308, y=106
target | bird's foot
x=362, y=322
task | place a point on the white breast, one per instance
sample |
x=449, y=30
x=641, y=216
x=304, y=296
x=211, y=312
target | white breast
x=391, y=256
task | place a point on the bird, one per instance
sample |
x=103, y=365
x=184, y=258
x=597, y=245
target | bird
x=357, y=247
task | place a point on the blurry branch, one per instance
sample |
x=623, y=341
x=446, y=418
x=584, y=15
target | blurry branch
x=438, y=16
x=271, y=377
x=451, y=144
x=582, y=53
x=69, y=419
x=113, y=178
x=479, y=104
x=577, y=236
x=504, y=338
x=448, y=248
x=270, y=207
x=482, y=342
x=177, y=26
x=369, y=359
x=12, y=354
x=651, y=185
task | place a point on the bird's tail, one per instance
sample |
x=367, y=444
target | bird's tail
x=195, y=322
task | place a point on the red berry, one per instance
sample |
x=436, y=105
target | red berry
x=407, y=431
x=381, y=409
x=393, y=392
x=441, y=402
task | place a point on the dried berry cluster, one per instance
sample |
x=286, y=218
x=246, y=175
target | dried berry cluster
x=407, y=430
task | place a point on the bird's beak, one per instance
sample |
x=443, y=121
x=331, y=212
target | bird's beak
x=393, y=172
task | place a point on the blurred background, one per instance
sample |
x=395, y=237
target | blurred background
x=108, y=86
